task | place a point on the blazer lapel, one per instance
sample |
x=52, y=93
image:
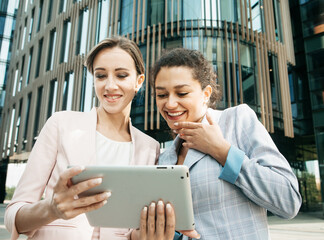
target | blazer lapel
x=170, y=155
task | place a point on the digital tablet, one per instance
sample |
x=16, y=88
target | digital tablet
x=133, y=187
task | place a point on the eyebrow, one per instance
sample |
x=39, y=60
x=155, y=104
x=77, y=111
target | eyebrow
x=177, y=86
x=116, y=69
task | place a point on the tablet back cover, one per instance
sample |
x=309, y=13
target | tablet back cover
x=133, y=187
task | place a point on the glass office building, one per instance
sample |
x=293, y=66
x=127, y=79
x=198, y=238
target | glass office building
x=249, y=42
x=8, y=12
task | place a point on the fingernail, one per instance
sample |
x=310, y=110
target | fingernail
x=104, y=202
x=175, y=131
x=168, y=207
x=176, y=124
x=97, y=180
x=160, y=203
x=108, y=194
x=153, y=204
x=145, y=209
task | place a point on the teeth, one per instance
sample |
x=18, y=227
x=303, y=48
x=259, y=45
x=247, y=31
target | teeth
x=112, y=97
x=175, y=114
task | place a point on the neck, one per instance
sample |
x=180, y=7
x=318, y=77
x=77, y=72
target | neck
x=113, y=125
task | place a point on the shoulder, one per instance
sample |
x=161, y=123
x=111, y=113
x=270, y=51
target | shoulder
x=71, y=119
x=72, y=116
x=240, y=112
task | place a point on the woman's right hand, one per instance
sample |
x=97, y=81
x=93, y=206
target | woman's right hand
x=65, y=202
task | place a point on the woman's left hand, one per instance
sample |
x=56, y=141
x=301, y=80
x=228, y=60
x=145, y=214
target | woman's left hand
x=157, y=222
x=206, y=138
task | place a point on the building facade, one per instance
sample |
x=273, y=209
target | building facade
x=249, y=42
x=8, y=12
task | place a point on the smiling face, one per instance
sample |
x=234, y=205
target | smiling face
x=179, y=96
x=115, y=80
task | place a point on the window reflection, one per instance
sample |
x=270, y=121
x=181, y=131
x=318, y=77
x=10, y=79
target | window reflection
x=68, y=91
x=52, y=98
x=86, y=91
x=65, y=41
x=102, y=20
x=82, y=32
x=26, y=121
x=51, y=50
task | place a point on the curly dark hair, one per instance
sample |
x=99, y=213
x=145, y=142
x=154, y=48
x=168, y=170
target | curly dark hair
x=202, y=70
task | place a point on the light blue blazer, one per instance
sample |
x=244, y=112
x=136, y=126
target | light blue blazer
x=231, y=202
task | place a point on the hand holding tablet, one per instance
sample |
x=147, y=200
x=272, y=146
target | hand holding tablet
x=133, y=187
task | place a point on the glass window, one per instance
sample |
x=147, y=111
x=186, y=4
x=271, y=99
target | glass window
x=13, y=113
x=126, y=16
x=86, y=91
x=62, y=7
x=102, y=20
x=11, y=6
x=156, y=12
x=26, y=5
x=21, y=74
x=30, y=60
x=192, y=10
x=248, y=73
x=37, y=112
x=82, y=32
x=40, y=49
x=6, y=135
x=18, y=38
x=68, y=91
x=24, y=34
x=229, y=10
x=52, y=98
x=4, y=49
x=31, y=25
x=65, y=41
x=49, y=12
x=256, y=16
x=40, y=13
x=51, y=50
x=14, y=89
x=26, y=120
x=17, y=126
x=8, y=26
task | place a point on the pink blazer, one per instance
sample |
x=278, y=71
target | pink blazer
x=68, y=138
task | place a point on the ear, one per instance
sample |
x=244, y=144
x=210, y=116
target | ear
x=207, y=91
x=139, y=82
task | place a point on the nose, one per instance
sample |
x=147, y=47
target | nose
x=171, y=102
x=110, y=83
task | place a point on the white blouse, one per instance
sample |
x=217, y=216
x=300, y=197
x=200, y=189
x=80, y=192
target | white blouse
x=110, y=152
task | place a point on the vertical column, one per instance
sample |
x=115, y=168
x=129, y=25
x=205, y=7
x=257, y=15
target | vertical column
x=147, y=79
x=228, y=81
x=233, y=65
x=158, y=56
x=239, y=61
x=259, y=77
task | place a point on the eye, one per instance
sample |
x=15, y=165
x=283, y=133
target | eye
x=122, y=75
x=182, y=94
x=161, y=95
x=100, y=76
